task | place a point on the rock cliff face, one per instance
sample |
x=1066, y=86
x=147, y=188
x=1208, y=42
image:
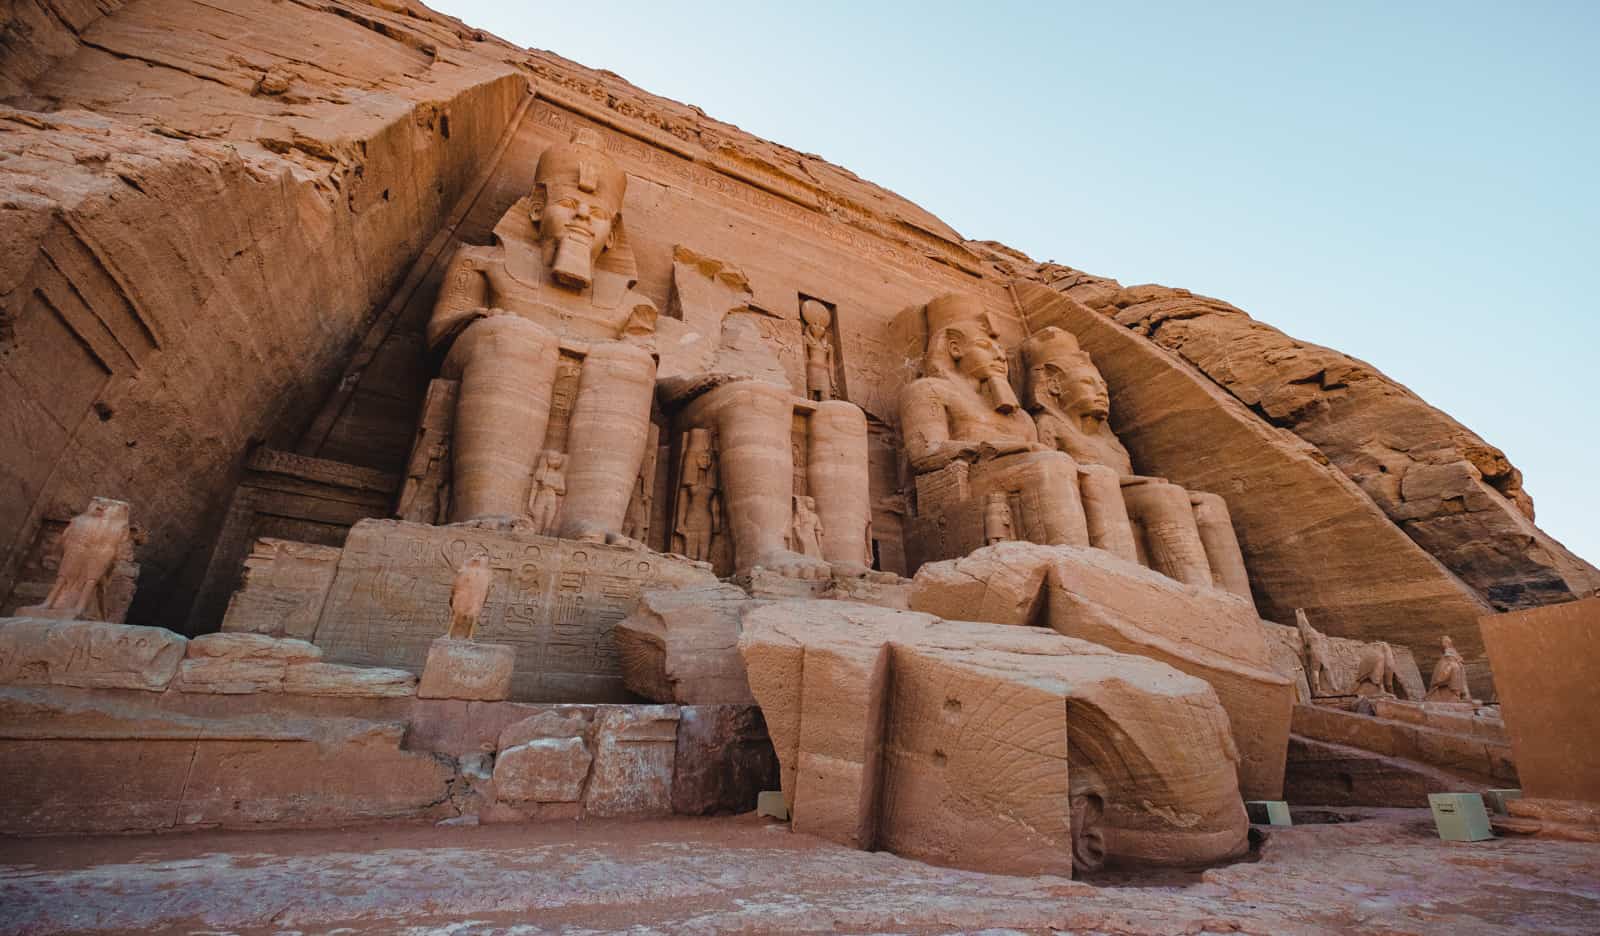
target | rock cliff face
x=223, y=227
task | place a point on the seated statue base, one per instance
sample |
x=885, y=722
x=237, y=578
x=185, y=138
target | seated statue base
x=387, y=599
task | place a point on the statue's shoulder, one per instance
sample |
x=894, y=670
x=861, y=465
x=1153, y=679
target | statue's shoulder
x=475, y=256
x=930, y=389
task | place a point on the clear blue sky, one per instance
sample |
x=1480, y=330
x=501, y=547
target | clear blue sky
x=1414, y=184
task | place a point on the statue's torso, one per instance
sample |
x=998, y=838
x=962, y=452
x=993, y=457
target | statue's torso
x=1097, y=448
x=970, y=418
x=522, y=286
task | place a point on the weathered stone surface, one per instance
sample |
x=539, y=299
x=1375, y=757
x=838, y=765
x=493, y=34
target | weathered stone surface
x=465, y=669
x=285, y=584
x=542, y=770
x=334, y=679
x=88, y=654
x=1093, y=595
x=241, y=663
x=724, y=759
x=1311, y=537
x=1547, y=671
x=1456, y=495
x=1322, y=773
x=634, y=753
x=565, y=722
x=555, y=601
x=683, y=646
x=1474, y=756
x=950, y=741
x=98, y=764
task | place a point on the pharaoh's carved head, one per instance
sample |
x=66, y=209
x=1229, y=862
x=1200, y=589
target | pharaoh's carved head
x=1062, y=378
x=577, y=201
x=962, y=339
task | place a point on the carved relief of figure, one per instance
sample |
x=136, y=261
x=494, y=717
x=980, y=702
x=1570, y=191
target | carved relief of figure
x=1449, y=682
x=1186, y=535
x=638, y=517
x=549, y=488
x=1315, y=649
x=699, y=507
x=560, y=274
x=89, y=548
x=467, y=594
x=819, y=349
x=997, y=526
x=1375, y=672
x=807, y=532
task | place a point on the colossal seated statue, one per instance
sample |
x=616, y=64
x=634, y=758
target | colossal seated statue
x=1066, y=477
x=556, y=284
x=1187, y=535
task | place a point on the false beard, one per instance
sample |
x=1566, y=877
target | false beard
x=998, y=394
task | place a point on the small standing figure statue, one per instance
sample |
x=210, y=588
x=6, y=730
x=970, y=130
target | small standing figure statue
x=636, y=523
x=699, y=509
x=549, y=487
x=467, y=595
x=806, y=533
x=997, y=525
x=1449, y=682
x=1315, y=650
x=819, y=349
x=1375, y=672
x=90, y=546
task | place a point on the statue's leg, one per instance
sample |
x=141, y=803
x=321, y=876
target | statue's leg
x=1105, y=513
x=756, y=464
x=836, y=476
x=1052, y=508
x=507, y=368
x=606, y=441
x=1171, y=538
x=1221, y=545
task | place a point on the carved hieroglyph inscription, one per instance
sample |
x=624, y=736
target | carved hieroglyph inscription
x=554, y=600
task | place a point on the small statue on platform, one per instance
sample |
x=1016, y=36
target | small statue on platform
x=549, y=487
x=997, y=525
x=1314, y=647
x=90, y=546
x=1449, y=682
x=1375, y=672
x=807, y=532
x=699, y=508
x=819, y=349
x=467, y=594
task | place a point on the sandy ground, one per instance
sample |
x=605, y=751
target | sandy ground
x=1385, y=874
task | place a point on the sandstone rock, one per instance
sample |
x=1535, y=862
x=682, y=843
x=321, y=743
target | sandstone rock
x=1344, y=661
x=334, y=679
x=724, y=759
x=1311, y=537
x=232, y=664
x=570, y=722
x=1546, y=662
x=543, y=770
x=88, y=654
x=1093, y=595
x=463, y=669
x=957, y=743
x=683, y=646
x=285, y=584
x=253, y=647
x=634, y=754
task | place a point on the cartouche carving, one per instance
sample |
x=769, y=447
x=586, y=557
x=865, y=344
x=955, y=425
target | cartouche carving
x=559, y=275
x=90, y=546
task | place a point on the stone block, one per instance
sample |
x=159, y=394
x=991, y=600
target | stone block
x=88, y=654
x=335, y=679
x=542, y=770
x=564, y=722
x=723, y=761
x=258, y=647
x=683, y=646
x=635, y=750
x=285, y=585
x=554, y=601
x=1544, y=662
x=947, y=741
x=465, y=669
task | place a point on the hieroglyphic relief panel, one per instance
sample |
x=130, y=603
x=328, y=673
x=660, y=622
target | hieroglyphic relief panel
x=555, y=601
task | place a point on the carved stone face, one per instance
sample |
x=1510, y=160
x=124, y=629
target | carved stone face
x=976, y=353
x=578, y=193
x=1081, y=391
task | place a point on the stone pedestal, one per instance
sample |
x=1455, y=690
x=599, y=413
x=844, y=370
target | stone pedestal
x=463, y=669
